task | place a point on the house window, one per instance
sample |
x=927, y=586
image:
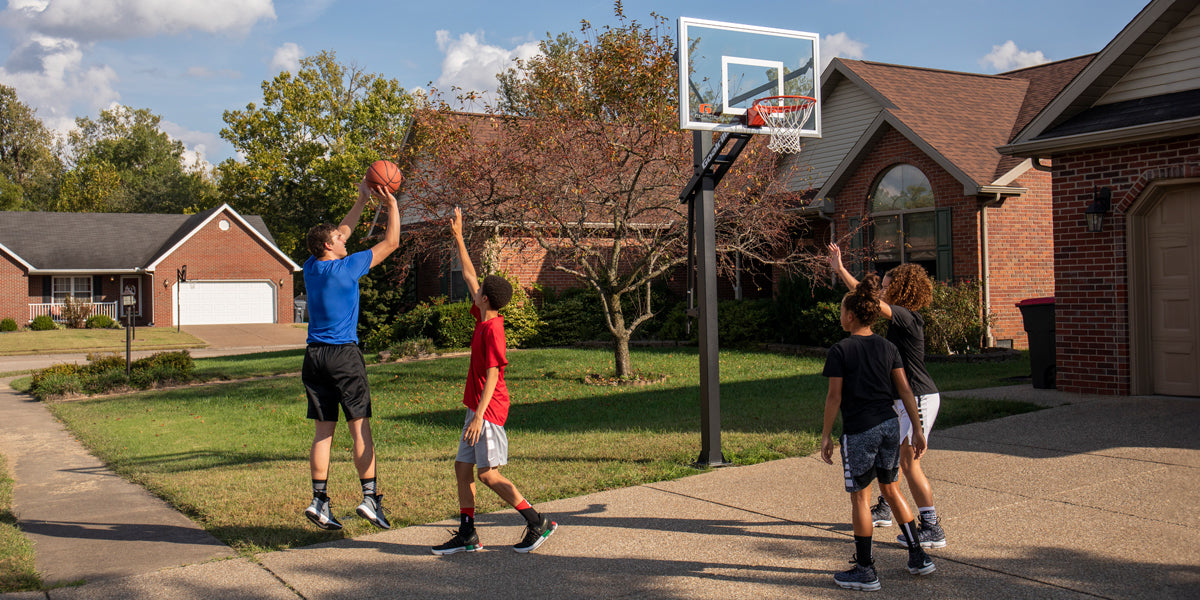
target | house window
x=79, y=288
x=904, y=220
x=458, y=285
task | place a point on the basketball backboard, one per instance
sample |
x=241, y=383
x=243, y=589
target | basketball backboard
x=725, y=67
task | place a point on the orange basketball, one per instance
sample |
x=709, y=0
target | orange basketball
x=384, y=174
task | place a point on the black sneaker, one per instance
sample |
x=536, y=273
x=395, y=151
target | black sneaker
x=536, y=536
x=459, y=543
x=859, y=577
x=919, y=563
x=881, y=514
x=371, y=509
x=929, y=535
x=321, y=514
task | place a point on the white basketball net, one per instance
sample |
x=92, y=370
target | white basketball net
x=784, y=119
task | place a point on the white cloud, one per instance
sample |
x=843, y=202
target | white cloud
x=840, y=44
x=472, y=65
x=196, y=143
x=1007, y=57
x=49, y=75
x=92, y=20
x=287, y=58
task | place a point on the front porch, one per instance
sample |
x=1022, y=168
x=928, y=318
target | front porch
x=55, y=310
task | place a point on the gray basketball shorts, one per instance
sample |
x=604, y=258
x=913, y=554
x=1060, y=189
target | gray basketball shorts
x=927, y=408
x=490, y=450
x=871, y=454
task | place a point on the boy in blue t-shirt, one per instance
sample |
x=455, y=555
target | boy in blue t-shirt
x=334, y=372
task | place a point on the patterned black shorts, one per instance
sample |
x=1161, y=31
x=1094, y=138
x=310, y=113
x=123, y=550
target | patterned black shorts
x=871, y=454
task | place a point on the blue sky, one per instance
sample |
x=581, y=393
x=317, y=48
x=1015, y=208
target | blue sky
x=191, y=60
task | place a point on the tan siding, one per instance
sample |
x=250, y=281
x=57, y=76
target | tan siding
x=844, y=117
x=1172, y=66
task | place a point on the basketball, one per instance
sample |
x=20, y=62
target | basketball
x=384, y=174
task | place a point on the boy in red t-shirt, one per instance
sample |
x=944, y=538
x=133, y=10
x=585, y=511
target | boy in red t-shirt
x=484, y=444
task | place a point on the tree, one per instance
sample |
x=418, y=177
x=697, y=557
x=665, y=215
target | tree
x=309, y=143
x=28, y=164
x=582, y=157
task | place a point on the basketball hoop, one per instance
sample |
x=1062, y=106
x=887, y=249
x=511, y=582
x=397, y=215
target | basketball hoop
x=782, y=117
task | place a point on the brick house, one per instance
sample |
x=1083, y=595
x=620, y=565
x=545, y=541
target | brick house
x=907, y=171
x=234, y=271
x=1124, y=138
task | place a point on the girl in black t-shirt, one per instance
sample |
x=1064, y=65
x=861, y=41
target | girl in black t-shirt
x=865, y=375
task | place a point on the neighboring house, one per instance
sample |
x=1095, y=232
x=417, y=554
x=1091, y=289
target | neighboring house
x=907, y=171
x=1127, y=130
x=234, y=271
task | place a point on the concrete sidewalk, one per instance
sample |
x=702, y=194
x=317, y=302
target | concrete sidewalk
x=1093, y=498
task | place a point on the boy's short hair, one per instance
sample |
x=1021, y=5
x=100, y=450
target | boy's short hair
x=498, y=291
x=318, y=236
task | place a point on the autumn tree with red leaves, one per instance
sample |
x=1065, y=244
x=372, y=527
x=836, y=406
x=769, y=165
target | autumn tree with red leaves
x=583, y=158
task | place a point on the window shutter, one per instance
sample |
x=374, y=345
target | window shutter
x=856, y=245
x=97, y=287
x=945, y=245
x=444, y=278
x=47, y=288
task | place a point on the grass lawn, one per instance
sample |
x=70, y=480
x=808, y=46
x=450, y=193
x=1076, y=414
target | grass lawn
x=234, y=456
x=16, y=551
x=93, y=340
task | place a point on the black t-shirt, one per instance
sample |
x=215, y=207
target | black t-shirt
x=865, y=363
x=907, y=332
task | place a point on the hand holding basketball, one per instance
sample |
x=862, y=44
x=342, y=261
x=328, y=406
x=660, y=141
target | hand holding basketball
x=384, y=174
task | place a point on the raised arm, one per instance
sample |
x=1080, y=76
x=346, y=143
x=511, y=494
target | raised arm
x=468, y=269
x=355, y=213
x=835, y=263
x=391, y=237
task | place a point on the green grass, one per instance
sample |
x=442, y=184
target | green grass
x=93, y=340
x=234, y=456
x=16, y=551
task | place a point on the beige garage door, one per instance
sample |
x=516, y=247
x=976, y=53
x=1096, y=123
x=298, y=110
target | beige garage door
x=1173, y=245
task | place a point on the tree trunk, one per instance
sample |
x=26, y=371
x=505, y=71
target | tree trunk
x=621, y=355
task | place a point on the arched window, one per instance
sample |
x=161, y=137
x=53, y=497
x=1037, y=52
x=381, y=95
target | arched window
x=904, y=219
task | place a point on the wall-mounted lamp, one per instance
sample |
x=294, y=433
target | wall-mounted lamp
x=166, y=283
x=1097, y=209
x=280, y=283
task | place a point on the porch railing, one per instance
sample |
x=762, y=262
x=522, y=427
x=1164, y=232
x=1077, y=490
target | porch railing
x=54, y=310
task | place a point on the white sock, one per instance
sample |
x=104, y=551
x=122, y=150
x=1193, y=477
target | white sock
x=928, y=514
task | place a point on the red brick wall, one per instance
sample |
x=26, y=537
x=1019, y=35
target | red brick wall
x=1021, y=254
x=214, y=254
x=1091, y=269
x=14, y=290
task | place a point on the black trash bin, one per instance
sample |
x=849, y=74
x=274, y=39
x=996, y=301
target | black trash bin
x=1038, y=314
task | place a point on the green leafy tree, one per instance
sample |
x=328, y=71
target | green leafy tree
x=150, y=173
x=28, y=163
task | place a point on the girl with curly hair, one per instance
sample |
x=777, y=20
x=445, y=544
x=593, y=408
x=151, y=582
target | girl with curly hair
x=906, y=290
x=866, y=375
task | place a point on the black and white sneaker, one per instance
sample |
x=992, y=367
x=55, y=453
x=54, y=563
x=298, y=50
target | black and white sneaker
x=929, y=535
x=459, y=543
x=881, y=514
x=860, y=577
x=371, y=509
x=321, y=514
x=919, y=563
x=536, y=536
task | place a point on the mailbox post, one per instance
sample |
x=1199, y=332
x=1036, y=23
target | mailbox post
x=127, y=302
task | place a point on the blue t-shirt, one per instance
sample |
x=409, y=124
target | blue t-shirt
x=332, y=288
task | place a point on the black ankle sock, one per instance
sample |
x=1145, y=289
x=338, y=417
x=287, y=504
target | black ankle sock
x=320, y=487
x=531, y=516
x=910, y=534
x=466, y=524
x=368, y=486
x=862, y=550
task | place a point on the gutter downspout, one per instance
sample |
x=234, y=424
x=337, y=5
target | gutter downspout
x=984, y=256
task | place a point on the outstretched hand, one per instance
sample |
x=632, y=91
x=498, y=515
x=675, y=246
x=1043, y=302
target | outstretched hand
x=456, y=222
x=835, y=257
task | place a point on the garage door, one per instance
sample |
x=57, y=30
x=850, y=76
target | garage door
x=1173, y=239
x=225, y=302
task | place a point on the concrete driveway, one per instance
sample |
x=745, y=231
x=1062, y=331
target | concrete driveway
x=252, y=335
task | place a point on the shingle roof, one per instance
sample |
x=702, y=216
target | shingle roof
x=87, y=241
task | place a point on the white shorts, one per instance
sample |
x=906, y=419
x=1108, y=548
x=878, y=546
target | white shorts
x=490, y=450
x=927, y=408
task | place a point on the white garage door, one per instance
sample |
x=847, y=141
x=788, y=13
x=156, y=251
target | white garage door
x=225, y=302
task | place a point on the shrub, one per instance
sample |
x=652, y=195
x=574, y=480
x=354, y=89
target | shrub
x=103, y=362
x=824, y=325
x=43, y=323
x=569, y=317
x=101, y=322
x=179, y=361
x=412, y=348
x=8, y=325
x=802, y=312
x=454, y=325
x=75, y=312
x=742, y=322
x=101, y=381
x=56, y=384
x=58, y=370
x=520, y=316
x=955, y=323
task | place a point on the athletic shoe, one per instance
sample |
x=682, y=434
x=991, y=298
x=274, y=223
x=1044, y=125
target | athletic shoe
x=858, y=578
x=321, y=514
x=919, y=563
x=459, y=543
x=536, y=536
x=881, y=513
x=371, y=509
x=929, y=535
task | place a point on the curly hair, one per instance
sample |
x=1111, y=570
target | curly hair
x=910, y=287
x=863, y=302
x=498, y=291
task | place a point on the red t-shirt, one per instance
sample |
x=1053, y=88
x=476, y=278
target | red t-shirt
x=487, y=350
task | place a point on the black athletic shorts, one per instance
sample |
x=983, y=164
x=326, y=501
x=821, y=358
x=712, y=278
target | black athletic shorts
x=336, y=375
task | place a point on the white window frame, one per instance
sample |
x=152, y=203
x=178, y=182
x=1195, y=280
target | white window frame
x=74, y=288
